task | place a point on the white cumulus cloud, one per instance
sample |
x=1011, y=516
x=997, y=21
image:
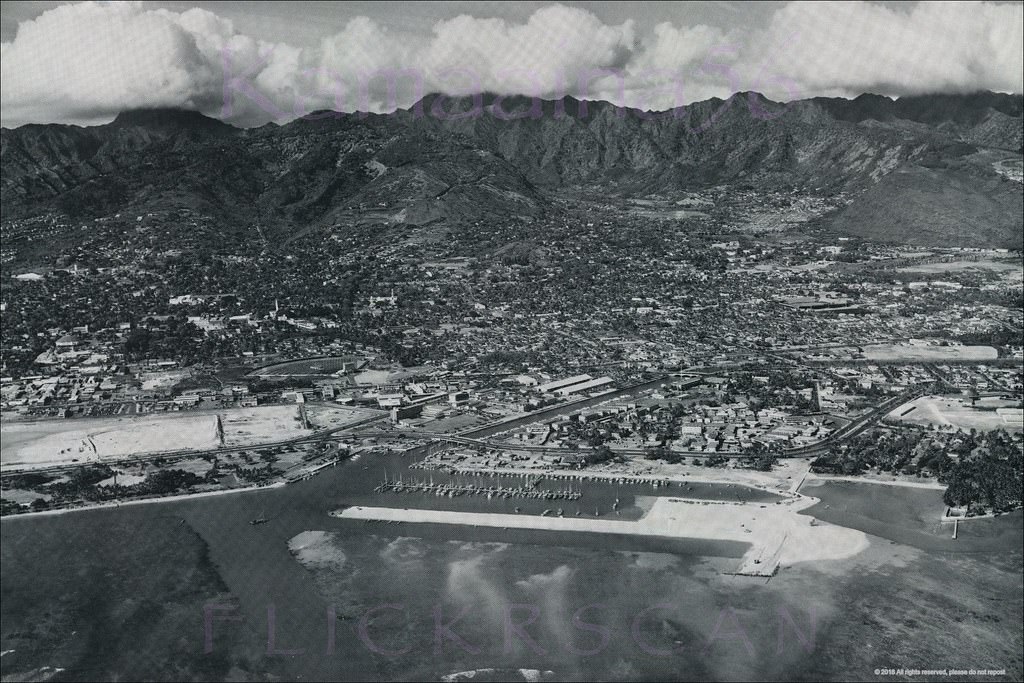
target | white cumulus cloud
x=856, y=47
x=86, y=62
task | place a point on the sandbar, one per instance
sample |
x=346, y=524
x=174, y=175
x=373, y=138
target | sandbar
x=777, y=535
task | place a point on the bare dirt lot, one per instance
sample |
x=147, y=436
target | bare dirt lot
x=952, y=412
x=44, y=443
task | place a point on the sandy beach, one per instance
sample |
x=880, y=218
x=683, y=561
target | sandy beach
x=876, y=479
x=777, y=535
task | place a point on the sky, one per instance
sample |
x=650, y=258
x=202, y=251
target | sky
x=250, y=63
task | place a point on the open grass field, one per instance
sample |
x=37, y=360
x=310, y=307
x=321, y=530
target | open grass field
x=957, y=266
x=310, y=367
x=953, y=412
x=928, y=353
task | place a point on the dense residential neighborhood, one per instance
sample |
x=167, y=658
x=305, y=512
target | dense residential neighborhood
x=564, y=326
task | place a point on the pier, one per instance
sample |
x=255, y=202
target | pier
x=600, y=478
x=453, y=490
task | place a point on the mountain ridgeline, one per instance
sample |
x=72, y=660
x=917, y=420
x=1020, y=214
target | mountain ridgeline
x=921, y=169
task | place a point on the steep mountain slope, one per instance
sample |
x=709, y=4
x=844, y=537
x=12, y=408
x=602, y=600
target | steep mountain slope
x=938, y=206
x=309, y=171
x=996, y=130
x=455, y=159
x=708, y=142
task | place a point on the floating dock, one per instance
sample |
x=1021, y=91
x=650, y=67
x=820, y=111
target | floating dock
x=452, y=490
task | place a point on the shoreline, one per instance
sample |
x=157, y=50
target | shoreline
x=758, y=481
x=773, y=481
x=946, y=518
x=144, y=501
x=777, y=535
x=935, y=486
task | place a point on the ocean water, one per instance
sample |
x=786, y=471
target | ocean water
x=138, y=592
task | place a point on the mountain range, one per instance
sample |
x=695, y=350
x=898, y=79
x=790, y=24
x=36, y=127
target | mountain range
x=924, y=170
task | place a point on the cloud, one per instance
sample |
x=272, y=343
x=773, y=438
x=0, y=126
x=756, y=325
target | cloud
x=861, y=47
x=88, y=58
x=86, y=62
x=556, y=51
x=90, y=61
x=677, y=65
x=366, y=67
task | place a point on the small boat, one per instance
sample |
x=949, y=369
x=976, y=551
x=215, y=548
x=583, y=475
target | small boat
x=262, y=519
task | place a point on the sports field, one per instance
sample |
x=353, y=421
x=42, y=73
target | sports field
x=309, y=367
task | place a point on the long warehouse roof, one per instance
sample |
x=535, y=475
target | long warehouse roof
x=558, y=383
x=583, y=386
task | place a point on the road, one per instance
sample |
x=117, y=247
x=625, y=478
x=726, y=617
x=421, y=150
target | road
x=477, y=437
x=856, y=427
x=849, y=431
